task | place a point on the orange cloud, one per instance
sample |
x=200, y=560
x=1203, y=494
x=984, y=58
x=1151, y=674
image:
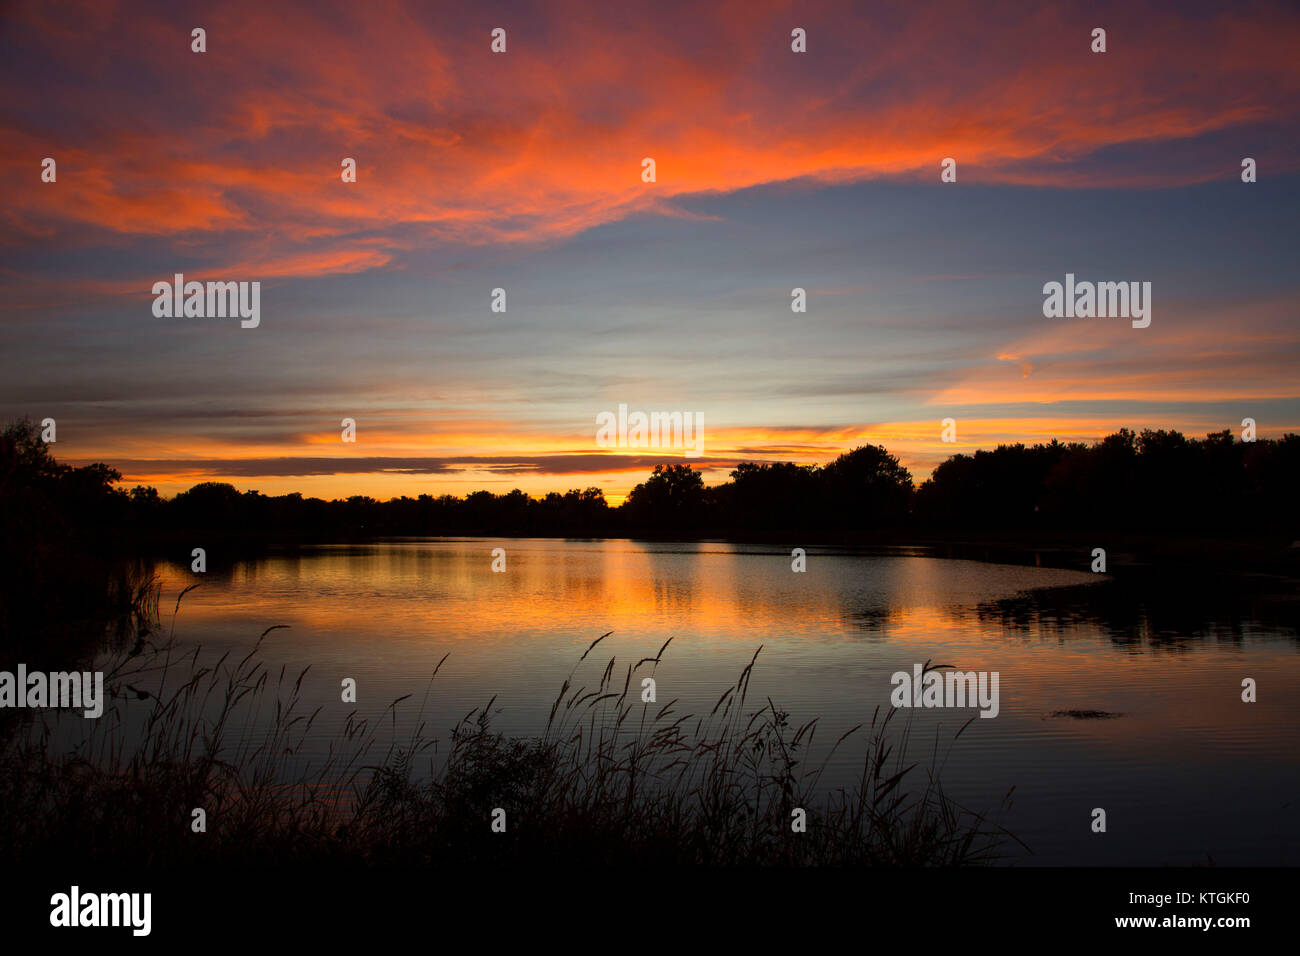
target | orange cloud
x=1190, y=353
x=454, y=143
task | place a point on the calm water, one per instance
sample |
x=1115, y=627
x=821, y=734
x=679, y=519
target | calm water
x=1186, y=772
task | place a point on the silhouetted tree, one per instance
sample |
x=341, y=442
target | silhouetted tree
x=59, y=529
x=780, y=495
x=866, y=489
x=671, y=498
x=1156, y=481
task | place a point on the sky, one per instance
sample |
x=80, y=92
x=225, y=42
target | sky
x=522, y=170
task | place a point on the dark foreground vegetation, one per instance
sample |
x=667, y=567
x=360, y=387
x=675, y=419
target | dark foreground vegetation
x=611, y=781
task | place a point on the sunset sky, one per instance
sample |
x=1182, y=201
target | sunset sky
x=522, y=170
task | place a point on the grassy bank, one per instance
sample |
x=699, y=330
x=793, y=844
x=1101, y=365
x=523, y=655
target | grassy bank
x=611, y=781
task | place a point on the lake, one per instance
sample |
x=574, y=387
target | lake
x=1186, y=771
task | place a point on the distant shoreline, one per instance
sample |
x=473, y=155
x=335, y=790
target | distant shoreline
x=1126, y=554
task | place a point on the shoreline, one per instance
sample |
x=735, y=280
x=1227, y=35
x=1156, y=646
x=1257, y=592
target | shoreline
x=1126, y=554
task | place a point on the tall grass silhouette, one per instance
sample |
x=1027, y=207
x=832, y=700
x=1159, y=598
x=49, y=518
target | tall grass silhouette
x=610, y=781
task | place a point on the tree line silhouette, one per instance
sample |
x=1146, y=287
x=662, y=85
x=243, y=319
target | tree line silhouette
x=1155, y=481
